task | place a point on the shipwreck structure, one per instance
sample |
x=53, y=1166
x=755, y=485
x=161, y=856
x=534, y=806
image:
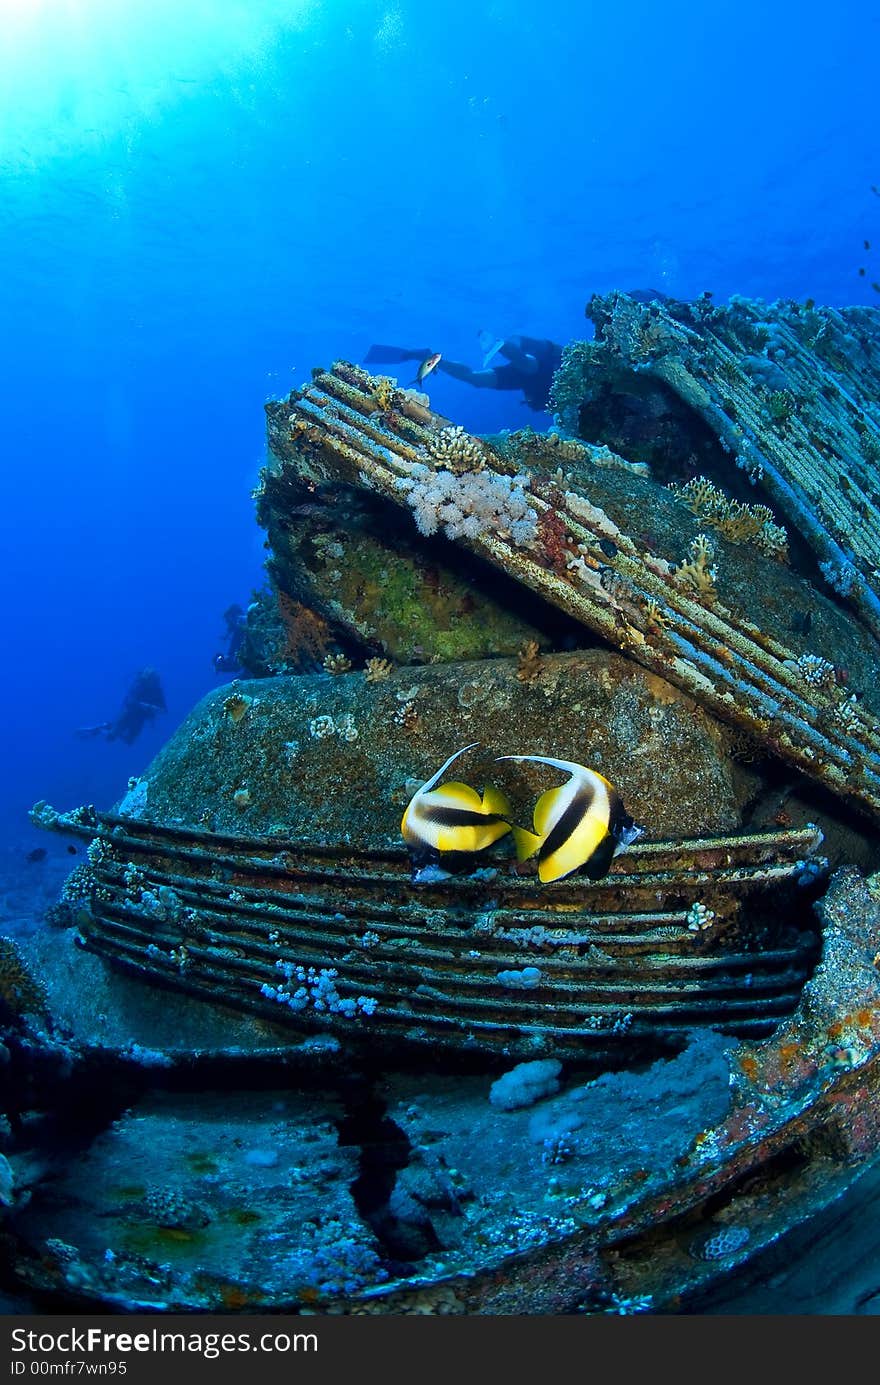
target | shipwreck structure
x=678, y=586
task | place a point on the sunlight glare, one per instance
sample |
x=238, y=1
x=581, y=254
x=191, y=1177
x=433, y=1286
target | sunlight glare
x=73, y=72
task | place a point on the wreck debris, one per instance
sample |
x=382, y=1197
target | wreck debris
x=306, y=634
x=740, y=368
x=774, y=1148
x=319, y=933
x=725, y=662
x=526, y=448
x=432, y=975
x=331, y=548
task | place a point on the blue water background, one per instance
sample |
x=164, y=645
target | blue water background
x=200, y=202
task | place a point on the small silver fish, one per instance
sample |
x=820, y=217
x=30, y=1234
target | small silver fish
x=428, y=364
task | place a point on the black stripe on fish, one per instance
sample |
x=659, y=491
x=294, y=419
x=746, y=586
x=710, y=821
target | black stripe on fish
x=620, y=821
x=600, y=861
x=448, y=862
x=457, y=817
x=561, y=831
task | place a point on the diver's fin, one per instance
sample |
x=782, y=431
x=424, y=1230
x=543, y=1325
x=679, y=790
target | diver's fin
x=490, y=345
x=378, y=354
x=527, y=843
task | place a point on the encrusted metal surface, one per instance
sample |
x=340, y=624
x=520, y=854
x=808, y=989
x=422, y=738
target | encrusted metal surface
x=797, y=1127
x=341, y=940
x=791, y=391
x=642, y=1187
x=337, y=429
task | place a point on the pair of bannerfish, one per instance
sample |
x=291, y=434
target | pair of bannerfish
x=579, y=826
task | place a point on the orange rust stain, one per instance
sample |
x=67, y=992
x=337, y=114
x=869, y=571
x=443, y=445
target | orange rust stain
x=234, y=1297
x=749, y=1066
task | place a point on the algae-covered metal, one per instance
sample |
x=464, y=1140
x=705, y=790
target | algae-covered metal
x=638, y=1192
x=790, y=391
x=343, y=942
x=572, y=554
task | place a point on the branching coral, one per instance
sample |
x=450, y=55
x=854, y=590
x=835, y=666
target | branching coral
x=456, y=450
x=75, y=899
x=407, y=716
x=699, y=917
x=384, y=393
x=739, y=523
x=236, y=705
x=846, y=714
x=336, y=663
x=377, y=670
x=529, y=662
x=841, y=577
x=656, y=617
x=698, y=574
x=816, y=671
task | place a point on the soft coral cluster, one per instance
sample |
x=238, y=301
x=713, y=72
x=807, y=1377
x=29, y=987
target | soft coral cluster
x=468, y=504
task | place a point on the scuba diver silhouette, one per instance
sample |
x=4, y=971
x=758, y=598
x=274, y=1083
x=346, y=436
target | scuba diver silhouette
x=142, y=702
x=228, y=660
x=529, y=365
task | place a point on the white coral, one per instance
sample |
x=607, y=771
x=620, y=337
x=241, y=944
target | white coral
x=699, y=917
x=456, y=449
x=840, y=576
x=816, y=671
x=466, y=504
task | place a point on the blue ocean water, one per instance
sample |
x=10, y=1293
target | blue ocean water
x=201, y=202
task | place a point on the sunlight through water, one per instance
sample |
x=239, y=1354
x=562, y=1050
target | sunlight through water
x=74, y=73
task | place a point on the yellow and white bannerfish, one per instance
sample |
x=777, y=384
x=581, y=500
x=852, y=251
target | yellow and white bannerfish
x=453, y=818
x=581, y=825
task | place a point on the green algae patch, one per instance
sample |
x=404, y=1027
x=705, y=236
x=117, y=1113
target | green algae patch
x=201, y=1163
